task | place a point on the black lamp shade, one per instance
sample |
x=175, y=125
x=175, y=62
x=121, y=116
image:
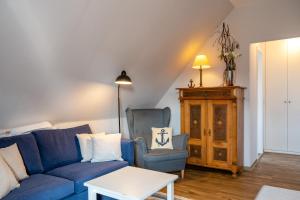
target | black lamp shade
x=123, y=79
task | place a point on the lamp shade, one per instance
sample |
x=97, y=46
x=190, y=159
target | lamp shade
x=201, y=61
x=123, y=79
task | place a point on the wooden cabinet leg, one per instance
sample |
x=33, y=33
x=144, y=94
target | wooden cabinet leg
x=234, y=175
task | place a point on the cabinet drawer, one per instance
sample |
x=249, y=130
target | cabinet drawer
x=208, y=94
x=195, y=151
x=220, y=154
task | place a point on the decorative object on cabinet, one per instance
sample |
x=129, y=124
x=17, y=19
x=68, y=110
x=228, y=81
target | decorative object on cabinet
x=122, y=79
x=201, y=62
x=228, y=46
x=213, y=118
x=191, y=84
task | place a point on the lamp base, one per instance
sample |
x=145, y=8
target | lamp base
x=200, y=81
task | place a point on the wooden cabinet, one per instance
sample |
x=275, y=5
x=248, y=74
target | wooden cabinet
x=213, y=118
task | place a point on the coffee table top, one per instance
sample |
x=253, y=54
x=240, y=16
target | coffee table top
x=130, y=183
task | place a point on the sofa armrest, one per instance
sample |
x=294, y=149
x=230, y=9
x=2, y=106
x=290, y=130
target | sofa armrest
x=180, y=141
x=127, y=148
x=140, y=151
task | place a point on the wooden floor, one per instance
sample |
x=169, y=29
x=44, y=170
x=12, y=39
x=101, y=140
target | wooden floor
x=279, y=170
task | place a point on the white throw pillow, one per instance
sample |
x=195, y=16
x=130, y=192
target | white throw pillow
x=86, y=146
x=13, y=158
x=8, y=181
x=162, y=138
x=106, y=147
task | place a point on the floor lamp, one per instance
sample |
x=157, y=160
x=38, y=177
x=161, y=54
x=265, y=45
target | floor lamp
x=123, y=79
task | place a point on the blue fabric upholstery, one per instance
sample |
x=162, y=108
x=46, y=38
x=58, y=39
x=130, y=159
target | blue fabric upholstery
x=127, y=147
x=59, y=147
x=42, y=187
x=80, y=196
x=157, y=155
x=28, y=149
x=84, y=196
x=82, y=172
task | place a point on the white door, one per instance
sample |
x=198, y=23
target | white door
x=294, y=95
x=276, y=96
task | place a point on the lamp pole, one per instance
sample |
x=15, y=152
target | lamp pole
x=123, y=79
x=119, y=115
x=200, y=70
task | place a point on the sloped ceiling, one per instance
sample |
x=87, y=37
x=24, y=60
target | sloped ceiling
x=59, y=58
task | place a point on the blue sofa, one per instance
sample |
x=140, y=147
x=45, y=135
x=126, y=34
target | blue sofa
x=52, y=159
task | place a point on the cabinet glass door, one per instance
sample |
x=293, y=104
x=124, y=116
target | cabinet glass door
x=195, y=126
x=219, y=132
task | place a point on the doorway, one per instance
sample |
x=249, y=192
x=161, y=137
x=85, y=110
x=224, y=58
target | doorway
x=277, y=65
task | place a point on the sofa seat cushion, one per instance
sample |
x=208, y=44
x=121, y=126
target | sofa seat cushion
x=157, y=155
x=59, y=147
x=28, y=149
x=42, y=187
x=82, y=172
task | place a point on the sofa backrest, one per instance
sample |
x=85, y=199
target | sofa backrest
x=59, y=147
x=29, y=151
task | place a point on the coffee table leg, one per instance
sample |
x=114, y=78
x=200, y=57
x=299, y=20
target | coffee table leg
x=92, y=194
x=170, y=191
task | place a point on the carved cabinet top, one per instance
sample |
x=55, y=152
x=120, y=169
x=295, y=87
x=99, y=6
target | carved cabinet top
x=232, y=92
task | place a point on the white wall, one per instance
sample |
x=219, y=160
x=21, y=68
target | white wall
x=101, y=125
x=59, y=59
x=251, y=21
x=261, y=69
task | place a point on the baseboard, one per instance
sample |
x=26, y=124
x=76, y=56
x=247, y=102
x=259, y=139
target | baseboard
x=283, y=152
x=254, y=163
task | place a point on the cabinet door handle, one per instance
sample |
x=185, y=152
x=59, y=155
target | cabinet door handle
x=204, y=132
x=285, y=101
x=209, y=132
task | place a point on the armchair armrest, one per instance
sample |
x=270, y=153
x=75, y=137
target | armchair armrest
x=127, y=148
x=180, y=141
x=140, y=150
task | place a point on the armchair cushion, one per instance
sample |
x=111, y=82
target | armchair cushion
x=156, y=155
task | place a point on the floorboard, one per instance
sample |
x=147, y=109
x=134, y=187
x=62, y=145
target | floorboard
x=279, y=170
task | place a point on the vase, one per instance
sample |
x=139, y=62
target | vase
x=228, y=77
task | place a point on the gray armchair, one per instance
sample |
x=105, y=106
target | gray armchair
x=140, y=122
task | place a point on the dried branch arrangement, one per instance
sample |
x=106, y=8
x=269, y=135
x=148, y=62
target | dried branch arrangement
x=228, y=46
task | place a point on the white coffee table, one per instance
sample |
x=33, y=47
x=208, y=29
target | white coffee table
x=131, y=183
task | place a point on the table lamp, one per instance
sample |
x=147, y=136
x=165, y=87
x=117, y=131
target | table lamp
x=201, y=62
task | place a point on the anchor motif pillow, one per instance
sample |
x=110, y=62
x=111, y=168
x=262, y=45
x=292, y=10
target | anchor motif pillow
x=162, y=138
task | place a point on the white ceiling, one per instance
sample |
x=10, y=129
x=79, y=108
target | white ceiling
x=59, y=58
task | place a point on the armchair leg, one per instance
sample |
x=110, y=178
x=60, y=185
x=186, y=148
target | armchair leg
x=182, y=173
